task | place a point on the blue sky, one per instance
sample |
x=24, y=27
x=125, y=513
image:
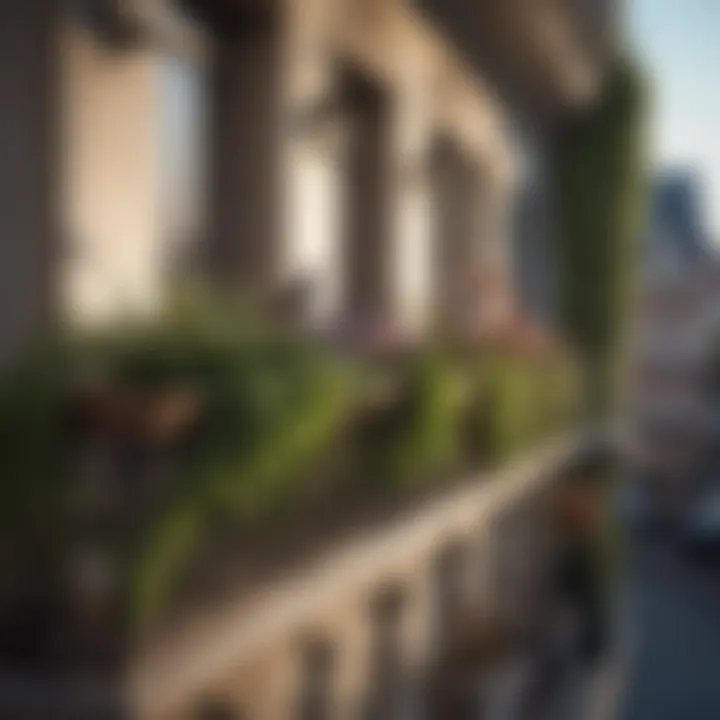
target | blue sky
x=679, y=43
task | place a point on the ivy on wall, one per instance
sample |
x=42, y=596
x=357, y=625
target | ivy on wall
x=599, y=180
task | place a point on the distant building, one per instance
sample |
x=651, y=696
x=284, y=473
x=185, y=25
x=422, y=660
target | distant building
x=680, y=303
x=677, y=240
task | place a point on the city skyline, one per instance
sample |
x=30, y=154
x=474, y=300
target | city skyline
x=677, y=42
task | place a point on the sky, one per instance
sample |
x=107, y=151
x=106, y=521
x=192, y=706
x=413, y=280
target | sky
x=679, y=43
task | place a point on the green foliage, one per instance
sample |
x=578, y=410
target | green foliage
x=417, y=435
x=274, y=406
x=273, y=423
x=511, y=408
x=271, y=406
x=559, y=394
x=273, y=409
x=599, y=184
x=516, y=401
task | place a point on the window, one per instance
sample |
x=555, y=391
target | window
x=183, y=155
x=182, y=51
x=133, y=160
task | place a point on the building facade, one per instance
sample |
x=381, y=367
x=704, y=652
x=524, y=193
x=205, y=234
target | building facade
x=677, y=243
x=679, y=307
x=359, y=154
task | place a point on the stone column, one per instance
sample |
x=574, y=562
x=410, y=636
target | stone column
x=368, y=256
x=457, y=235
x=29, y=131
x=246, y=148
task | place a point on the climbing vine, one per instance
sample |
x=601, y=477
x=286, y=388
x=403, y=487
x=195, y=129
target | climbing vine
x=599, y=180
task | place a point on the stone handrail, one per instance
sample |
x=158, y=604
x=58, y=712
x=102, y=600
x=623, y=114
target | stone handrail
x=227, y=653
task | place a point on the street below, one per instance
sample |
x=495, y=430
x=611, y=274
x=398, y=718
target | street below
x=674, y=619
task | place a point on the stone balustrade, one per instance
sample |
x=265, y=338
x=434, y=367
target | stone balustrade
x=356, y=634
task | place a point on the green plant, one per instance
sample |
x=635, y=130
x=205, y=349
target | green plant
x=271, y=406
x=497, y=418
x=416, y=436
x=599, y=184
x=514, y=402
x=512, y=408
x=559, y=395
x=274, y=407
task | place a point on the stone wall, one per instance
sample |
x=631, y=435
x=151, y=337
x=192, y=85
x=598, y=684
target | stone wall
x=29, y=242
x=279, y=193
x=431, y=93
x=111, y=192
